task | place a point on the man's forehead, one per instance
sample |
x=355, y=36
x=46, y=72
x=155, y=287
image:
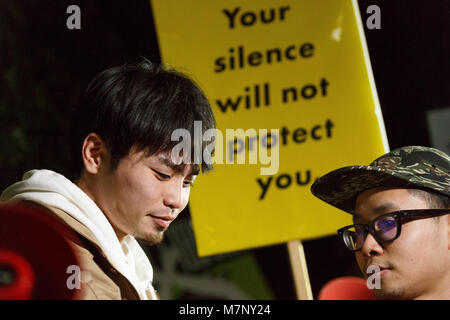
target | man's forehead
x=375, y=202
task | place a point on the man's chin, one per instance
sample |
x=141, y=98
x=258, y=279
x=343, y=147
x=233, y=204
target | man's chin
x=151, y=239
x=389, y=294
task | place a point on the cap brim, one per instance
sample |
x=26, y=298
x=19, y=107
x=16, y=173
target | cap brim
x=341, y=187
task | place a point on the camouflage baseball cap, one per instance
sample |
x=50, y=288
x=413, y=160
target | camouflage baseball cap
x=406, y=167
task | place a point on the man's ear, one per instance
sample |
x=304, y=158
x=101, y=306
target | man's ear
x=93, y=153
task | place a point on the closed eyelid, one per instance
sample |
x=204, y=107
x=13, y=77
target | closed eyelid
x=188, y=180
x=164, y=175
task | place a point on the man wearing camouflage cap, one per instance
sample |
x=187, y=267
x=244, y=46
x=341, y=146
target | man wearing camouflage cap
x=400, y=206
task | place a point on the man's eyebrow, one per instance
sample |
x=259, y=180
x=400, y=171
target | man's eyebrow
x=179, y=168
x=355, y=217
x=386, y=207
x=195, y=171
x=381, y=209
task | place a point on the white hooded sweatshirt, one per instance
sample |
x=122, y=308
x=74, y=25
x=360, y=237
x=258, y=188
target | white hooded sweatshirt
x=49, y=188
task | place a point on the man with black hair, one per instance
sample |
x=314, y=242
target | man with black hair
x=128, y=184
x=401, y=231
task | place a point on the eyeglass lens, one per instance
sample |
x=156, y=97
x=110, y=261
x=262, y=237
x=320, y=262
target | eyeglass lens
x=354, y=237
x=385, y=228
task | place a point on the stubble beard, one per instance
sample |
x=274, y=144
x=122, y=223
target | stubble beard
x=152, y=238
x=396, y=293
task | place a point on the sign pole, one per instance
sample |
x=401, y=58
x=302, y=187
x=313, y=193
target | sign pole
x=299, y=270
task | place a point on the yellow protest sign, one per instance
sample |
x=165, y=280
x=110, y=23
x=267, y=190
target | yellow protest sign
x=295, y=77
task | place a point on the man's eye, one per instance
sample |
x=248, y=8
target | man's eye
x=189, y=183
x=162, y=175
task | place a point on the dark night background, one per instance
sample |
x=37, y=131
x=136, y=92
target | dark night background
x=45, y=67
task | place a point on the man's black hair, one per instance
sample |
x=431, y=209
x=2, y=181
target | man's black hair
x=139, y=105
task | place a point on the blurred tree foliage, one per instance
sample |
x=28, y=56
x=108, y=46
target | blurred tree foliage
x=45, y=67
x=32, y=113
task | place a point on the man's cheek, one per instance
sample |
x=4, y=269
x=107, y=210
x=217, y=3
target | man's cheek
x=186, y=198
x=361, y=263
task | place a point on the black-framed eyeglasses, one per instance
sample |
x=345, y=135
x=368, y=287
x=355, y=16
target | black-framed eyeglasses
x=385, y=228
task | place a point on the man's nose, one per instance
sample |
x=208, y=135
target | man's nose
x=371, y=247
x=173, y=195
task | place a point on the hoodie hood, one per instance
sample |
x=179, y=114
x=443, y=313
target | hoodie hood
x=52, y=189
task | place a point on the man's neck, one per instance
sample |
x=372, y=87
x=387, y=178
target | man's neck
x=84, y=186
x=442, y=292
